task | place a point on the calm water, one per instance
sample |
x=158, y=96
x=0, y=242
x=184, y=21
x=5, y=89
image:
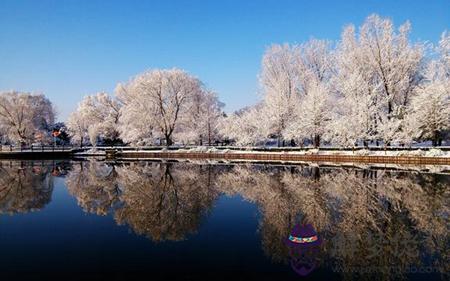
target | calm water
x=203, y=222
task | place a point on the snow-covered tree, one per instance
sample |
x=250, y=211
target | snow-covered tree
x=428, y=116
x=395, y=63
x=200, y=123
x=155, y=102
x=355, y=112
x=25, y=117
x=313, y=115
x=444, y=51
x=78, y=126
x=245, y=126
x=279, y=81
x=312, y=112
x=96, y=116
x=387, y=70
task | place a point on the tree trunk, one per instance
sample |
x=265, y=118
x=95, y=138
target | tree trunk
x=435, y=138
x=315, y=173
x=316, y=141
x=209, y=134
x=168, y=140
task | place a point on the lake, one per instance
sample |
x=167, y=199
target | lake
x=206, y=221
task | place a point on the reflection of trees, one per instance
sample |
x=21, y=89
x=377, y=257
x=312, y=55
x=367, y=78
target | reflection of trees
x=163, y=201
x=279, y=201
x=24, y=187
x=158, y=200
x=369, y=219
x=94, y=184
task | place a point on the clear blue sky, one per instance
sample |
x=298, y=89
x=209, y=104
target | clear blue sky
x=68, y=49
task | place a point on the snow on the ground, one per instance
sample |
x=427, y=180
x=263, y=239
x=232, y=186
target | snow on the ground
x=434, y=152
x=92, y=151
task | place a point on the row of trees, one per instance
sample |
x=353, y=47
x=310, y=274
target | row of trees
x=155, y=107
x=372, y=85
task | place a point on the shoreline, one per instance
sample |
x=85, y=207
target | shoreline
x=285, y=157
x=237, y=155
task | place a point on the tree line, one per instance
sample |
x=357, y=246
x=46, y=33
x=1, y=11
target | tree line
x=372, y=86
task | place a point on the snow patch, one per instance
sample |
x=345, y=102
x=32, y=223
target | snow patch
x=362, y=152
x=418, y=152
x=435, y=152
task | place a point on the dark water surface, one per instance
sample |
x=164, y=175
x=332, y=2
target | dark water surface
x=185, y=221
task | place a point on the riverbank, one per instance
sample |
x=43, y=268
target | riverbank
x=285, y=157
x=424, y=156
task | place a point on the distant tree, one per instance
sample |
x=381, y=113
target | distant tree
x=245, y=126
x=25, y=117
x=77, y=126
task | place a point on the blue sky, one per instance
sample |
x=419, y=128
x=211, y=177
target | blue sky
x=68, y=49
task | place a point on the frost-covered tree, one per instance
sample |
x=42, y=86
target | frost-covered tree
x=444, y=51
x=279, y=81
x=199, y=124
x=394, y=62
x=387, y=70
x=155, y=102
x=25, y=117
x=77, y=126
x=96, y=116
x=313, y=115
x=312, y=111
x=245, y=126
x=428, y=116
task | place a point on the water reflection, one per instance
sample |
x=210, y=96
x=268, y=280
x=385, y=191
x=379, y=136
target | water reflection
x=375, y=223
x=160, y=201
x=165, y=202
x=24, y=187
